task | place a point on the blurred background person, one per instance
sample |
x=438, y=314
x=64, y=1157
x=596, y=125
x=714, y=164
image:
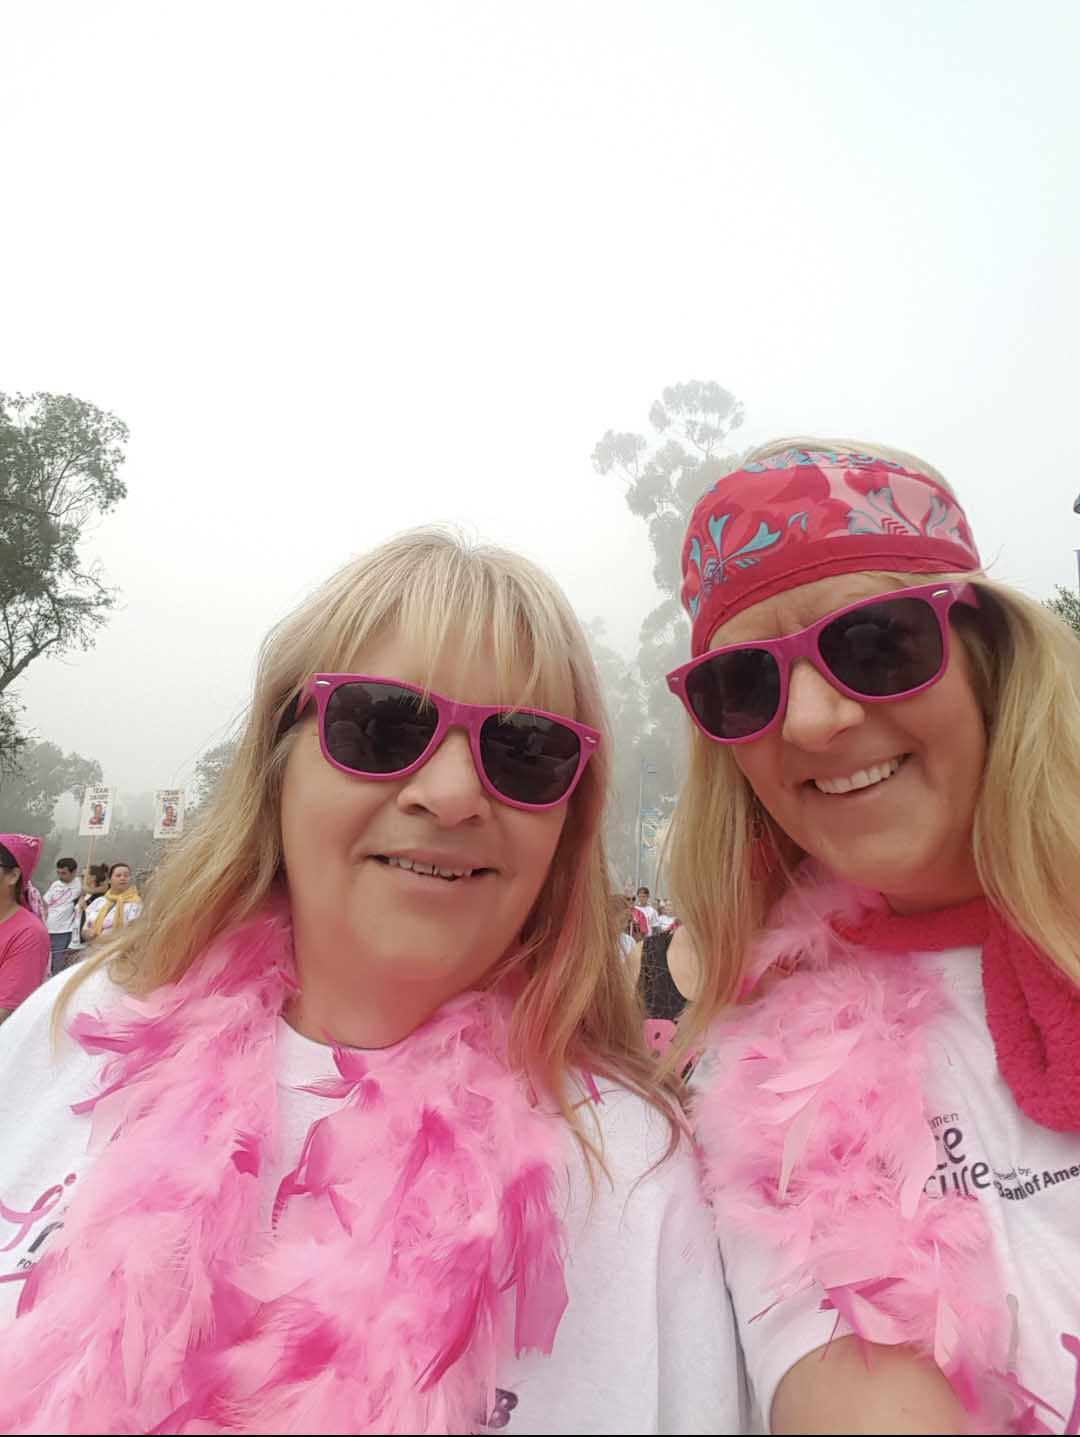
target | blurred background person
x=61, y=900
x=24, y=939
x=624, y=906
x=665, y=918
x=661, y=995
x=95, y=883
x=646, y=909
x=118, y=906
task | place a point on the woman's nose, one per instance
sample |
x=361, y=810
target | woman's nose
x=448, y=786
x=816, y=711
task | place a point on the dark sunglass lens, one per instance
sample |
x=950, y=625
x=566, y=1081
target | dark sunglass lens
x=735, y=694
x=378, y=728
x=528, y=758
x=882, y=650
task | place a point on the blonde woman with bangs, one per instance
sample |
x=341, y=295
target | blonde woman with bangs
x=876, y=856
x=357, y=1134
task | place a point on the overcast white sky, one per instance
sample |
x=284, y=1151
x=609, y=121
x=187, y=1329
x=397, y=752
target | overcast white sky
x=345, y=268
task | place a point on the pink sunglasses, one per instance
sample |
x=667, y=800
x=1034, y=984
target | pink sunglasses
x=891, y=646
x=381, y=728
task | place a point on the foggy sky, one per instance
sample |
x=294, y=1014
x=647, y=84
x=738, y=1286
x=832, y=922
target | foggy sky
x=345, y=268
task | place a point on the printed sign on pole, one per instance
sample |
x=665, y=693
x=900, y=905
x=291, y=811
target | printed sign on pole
x=168, y=813
x=96, y=816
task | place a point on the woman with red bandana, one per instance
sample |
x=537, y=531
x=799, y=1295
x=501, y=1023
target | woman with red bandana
x=876, y=856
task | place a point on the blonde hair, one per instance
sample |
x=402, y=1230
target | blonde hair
x=1025, y=667
x=574, y=1012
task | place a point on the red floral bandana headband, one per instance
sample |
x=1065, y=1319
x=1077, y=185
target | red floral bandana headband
x=807, y=514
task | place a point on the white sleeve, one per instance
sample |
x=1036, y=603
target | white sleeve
x=44, y=1155
x=773, y=1335
x=702, y=1384
x=647, y=1343
x=33, y=1062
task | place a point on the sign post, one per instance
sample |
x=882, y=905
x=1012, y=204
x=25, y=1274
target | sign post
x=169, y=813
x=95, y=817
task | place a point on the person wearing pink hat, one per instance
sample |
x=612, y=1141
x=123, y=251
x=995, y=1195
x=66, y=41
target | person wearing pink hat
x=24, y=939
x=875, y=854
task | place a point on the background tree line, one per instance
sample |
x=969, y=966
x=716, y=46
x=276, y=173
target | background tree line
x=59, y=473
x=662, y=474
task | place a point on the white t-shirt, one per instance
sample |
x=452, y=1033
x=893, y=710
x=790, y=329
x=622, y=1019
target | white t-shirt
x=131, y=912
x=626, y=945
x=650, y=914
x=60, y=900
x=1027, y=1177
x=647, y=1341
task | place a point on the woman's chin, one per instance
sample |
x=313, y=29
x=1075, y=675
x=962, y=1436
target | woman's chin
x=912, y=877
x=417, y=953
x=885, y=864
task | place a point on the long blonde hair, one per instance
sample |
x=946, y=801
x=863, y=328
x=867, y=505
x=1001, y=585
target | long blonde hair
x=575, y=1011
x=1025, y=665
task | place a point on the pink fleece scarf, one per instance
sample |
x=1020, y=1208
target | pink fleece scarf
x=1032, y=1009
x=816, y=1139
x=413, y=1246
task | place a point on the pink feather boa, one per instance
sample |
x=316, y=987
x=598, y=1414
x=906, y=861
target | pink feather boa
x=816, y=1143
x=413, y=1245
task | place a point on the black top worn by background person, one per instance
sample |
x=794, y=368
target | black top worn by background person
x=658, y=992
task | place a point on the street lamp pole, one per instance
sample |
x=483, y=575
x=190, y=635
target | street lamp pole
x=638, y=835
x=644, y=767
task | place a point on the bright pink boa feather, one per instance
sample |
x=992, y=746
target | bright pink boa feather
x=817, y=1144
x=413, y=1246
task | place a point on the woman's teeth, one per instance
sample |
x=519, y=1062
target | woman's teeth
x=864, y=778
x=429, y=869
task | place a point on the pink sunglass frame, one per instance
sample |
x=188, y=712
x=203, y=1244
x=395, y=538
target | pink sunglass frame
x=451, y=714
x=804, y=645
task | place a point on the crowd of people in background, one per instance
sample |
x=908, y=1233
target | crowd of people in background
x=641, y=919
x=654, y=962
x=41, y=934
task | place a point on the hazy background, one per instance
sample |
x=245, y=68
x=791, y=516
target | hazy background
x=345, y=268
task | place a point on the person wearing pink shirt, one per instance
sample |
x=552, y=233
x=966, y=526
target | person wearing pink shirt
x=24, y=939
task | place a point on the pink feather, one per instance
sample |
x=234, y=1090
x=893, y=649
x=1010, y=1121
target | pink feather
x=817, y=1145
x=414, y=1244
